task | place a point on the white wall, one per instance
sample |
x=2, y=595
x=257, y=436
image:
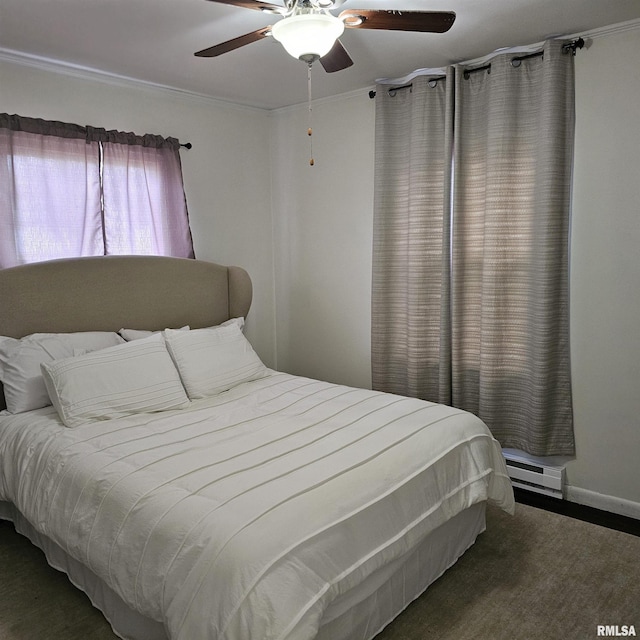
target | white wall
x=323, y=223
x=605, y=271
x=226, y=173
x=322, y=233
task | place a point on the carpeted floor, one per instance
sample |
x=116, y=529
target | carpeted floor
x=538, y=575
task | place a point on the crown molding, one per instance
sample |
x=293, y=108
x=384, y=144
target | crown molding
x=86, y=73
x=340, y=97
x=621, y=27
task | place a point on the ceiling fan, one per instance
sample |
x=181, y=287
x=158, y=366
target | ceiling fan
x=309, y=31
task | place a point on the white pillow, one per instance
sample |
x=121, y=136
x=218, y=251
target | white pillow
x=20, y=360
x=237, y=321
x=134, y=377
x=213, y=360
x=139, y=334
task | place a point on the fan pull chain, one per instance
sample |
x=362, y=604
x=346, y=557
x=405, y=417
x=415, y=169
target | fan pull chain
x=310, y=129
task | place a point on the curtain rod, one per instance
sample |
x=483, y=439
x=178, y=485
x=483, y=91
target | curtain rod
x=40, y=126
x=468, y=72
x=566, y=48
x=433, y=82
x=569, y=47
x=572, y=46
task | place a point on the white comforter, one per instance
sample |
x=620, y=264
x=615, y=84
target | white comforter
x=244, y=516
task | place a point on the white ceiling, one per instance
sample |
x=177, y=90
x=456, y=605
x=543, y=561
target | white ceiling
x=154, y=41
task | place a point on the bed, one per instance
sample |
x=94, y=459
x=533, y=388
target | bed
x=195, y=494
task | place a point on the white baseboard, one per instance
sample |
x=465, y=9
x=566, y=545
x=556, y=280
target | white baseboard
x=612, y=504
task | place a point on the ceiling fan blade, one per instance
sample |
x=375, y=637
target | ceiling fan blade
x=337, y=59
x=253, y=4
x=393, y=20
x=236, y=43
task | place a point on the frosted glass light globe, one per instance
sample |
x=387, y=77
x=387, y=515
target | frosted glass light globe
x=308, y=36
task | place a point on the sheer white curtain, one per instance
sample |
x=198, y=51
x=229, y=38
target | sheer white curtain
x=508, y=273
x=140, y=189
x=68, y=191
x=48, y=209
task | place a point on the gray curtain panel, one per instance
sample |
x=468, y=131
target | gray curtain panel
x=410, y=292
x=508, y=272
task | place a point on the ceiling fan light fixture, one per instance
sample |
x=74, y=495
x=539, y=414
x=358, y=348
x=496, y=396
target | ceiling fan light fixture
x=308, y=36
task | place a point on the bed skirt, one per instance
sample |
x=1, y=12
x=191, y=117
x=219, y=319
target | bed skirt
x=359, y=614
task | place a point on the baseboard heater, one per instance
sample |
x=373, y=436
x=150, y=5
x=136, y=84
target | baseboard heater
x=535, y=474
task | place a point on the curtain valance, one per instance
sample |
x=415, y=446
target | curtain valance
x=87, y=133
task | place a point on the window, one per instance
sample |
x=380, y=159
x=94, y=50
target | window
x=88, y=192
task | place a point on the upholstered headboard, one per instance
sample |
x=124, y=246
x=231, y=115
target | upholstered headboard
x=112, y=292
